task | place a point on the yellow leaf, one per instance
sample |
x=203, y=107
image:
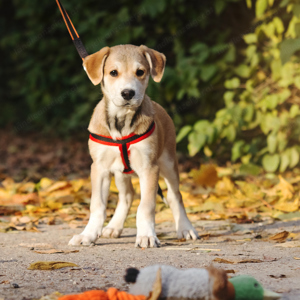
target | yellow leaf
x=50, y=265
x=45, y=183
x=284, y=189
x=53, y=204
x=224, y=186
x=57, y=186
x=77, y=184
x=287, y=206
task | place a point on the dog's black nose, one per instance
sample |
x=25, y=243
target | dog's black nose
x=127, y=94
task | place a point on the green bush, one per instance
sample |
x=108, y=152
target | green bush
x=260, y=120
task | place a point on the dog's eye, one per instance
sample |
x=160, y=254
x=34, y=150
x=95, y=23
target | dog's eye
x=114, y=73
x=140, y=73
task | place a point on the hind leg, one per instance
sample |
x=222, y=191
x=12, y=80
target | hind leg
x=169, y=170
x=126, y=193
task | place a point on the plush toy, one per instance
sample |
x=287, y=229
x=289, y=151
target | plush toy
x=196, y=284
x=111, y=294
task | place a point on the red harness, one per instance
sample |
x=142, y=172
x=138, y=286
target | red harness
x=123, y=144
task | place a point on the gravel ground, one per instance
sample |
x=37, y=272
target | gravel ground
x=103, y=265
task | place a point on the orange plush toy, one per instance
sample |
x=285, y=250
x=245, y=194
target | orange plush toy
x=111, y=294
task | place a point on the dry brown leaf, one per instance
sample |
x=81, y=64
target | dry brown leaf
x=223, y=261
x=251, y=260
x=52, y=251
x=280, y=237
x=50, y=265
x=243, y=261
x=4, y=282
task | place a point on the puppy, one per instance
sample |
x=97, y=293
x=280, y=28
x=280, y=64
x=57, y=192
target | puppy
x=124, y=114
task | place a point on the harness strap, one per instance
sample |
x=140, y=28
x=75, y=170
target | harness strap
x=123, y=144
x=73, y=33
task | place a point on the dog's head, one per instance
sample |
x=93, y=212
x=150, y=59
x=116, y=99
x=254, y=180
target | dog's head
x=123, y=72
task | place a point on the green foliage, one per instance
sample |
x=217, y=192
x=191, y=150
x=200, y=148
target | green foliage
x=231, y=83
x=260, y=118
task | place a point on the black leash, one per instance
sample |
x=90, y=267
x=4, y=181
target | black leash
x=73, y=33
x=83, y=54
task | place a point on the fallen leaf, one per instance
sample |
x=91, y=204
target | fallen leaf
x=45, y=183
x=57, y=186
x=223, y=261
x=52, y=251
x=251, y=260
x=280, y=237
x=4, y=282
x=207, y=176
x=50, y=265
x=243, y=261
x=298, y=258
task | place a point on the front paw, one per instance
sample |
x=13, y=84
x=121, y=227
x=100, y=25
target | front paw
x=147, y=241
x=109, y=232
x=82, y=239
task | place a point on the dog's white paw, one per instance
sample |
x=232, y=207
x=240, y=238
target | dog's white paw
x=109, y=232
x=82, y=239
x=187, y=232
x=147, y=241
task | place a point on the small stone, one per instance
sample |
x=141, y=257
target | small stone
x=32, y=248
x=74, y=282
x=15, y=285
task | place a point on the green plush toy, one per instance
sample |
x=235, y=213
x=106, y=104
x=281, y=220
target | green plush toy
x=247, y=287
x=195, y=284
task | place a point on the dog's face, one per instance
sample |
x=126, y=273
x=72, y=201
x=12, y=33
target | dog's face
x=123, y=72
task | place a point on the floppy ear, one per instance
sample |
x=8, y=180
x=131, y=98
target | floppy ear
x=94, y=63
x=157, y=62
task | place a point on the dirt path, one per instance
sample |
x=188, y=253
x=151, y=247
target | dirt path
x=103, y=265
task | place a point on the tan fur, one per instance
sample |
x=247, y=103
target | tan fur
x=221, y=288
x=117, y=70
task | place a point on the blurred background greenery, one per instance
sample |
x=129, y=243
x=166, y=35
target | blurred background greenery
x=231, y=84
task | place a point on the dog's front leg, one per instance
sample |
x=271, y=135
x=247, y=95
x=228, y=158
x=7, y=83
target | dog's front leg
x=145, y=220
x=100, y=180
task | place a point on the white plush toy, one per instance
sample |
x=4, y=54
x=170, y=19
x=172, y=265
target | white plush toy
x=196, y=284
